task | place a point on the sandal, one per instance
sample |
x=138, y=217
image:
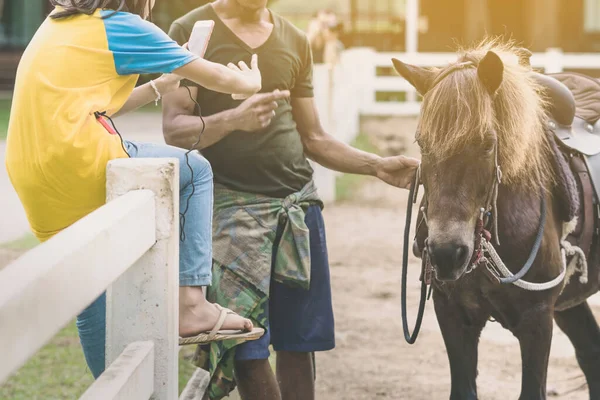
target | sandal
x=217, y=335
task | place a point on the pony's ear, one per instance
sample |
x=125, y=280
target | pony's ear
x=419, y=77
x=491, y=71
x=524, y=57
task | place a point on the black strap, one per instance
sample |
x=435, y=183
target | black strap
x=411, y=338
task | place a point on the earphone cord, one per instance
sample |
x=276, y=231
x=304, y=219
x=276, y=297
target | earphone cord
x=187, y=205
x=98, y=114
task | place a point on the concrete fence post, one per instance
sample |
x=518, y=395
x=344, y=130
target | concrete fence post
x=142, y=305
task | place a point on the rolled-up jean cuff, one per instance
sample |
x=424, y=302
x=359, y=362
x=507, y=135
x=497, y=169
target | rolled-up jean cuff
x=195, y=280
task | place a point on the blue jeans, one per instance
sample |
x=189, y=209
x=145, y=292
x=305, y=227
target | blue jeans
x=195, y=252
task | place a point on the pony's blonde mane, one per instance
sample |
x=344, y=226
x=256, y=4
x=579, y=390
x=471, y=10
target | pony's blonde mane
x=458, y=110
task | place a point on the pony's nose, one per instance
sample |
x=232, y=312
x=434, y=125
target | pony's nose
x=449, y=259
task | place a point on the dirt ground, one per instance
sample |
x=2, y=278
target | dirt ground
x=372, y=360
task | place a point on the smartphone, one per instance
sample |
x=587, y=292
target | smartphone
x=200, y=37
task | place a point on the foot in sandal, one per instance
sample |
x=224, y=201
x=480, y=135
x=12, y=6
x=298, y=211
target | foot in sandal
x=198, y=316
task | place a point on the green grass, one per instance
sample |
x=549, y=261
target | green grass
x=58, y=371
x=347, y=185
x=4, y=113
x=26, y=242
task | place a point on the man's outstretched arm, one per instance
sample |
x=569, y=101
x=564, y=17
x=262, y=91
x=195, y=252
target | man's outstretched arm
x=334, y=154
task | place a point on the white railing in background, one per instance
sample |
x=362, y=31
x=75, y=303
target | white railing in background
x=128, y=247
x=348, y=92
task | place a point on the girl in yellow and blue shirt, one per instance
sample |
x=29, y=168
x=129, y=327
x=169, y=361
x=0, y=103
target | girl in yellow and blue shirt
x=83, y=63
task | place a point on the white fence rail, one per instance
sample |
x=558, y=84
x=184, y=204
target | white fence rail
x=355, y=83
x=348, y=92
x=128, y=247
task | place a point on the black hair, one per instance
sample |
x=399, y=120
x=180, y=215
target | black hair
x=76, y=7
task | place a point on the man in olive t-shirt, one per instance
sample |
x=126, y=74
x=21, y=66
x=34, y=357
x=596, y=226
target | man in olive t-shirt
x=261, y=146
x=271, y=160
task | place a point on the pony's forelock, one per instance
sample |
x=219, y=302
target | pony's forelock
x=459, y=110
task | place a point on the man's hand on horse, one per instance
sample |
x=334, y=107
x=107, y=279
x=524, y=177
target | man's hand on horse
x=398, y=171
x=256, y=113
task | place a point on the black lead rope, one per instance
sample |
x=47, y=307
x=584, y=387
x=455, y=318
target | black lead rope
x=411, y=338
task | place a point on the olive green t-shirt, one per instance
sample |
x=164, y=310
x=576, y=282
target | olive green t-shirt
x=271, y=161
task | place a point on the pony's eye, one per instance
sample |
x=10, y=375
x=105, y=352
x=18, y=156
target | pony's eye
x=489, y=146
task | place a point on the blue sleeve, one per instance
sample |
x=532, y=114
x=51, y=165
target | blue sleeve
x=140, y=47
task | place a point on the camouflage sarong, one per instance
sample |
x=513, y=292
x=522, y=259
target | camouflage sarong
x=244, y=229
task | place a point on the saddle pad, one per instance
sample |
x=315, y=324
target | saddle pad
x=566, y=189
x=586, y=91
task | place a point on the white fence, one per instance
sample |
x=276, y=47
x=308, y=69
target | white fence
x=128, y=247
x=349, y=91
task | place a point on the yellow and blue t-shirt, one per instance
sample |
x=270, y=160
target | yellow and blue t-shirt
x=57, y=151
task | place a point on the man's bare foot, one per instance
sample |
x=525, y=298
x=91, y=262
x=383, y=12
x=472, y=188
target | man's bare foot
x=196, y=315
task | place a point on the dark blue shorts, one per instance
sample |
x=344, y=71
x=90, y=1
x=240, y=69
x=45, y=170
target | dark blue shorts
x=300, y=320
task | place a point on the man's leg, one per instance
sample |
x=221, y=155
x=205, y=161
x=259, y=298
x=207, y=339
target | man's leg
x=295, y=375
x=256, y=380
x=302, y=320
x=253, y=373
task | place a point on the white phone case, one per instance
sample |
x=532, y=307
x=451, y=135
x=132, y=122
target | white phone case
x=200, y=37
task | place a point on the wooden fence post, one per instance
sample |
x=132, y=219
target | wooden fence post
x=142, y=305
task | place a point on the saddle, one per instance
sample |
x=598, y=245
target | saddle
x=574, y=120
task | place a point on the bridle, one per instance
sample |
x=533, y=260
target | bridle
x=486, y=228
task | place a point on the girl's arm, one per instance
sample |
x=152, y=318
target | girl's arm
x=140, y=47
x=242, y=82
x=145, y=94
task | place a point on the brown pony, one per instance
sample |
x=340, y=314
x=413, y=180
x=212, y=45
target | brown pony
x=486, y=110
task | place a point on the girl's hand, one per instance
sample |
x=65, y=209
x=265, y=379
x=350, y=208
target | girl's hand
x=167, y=83
x=251, y=75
